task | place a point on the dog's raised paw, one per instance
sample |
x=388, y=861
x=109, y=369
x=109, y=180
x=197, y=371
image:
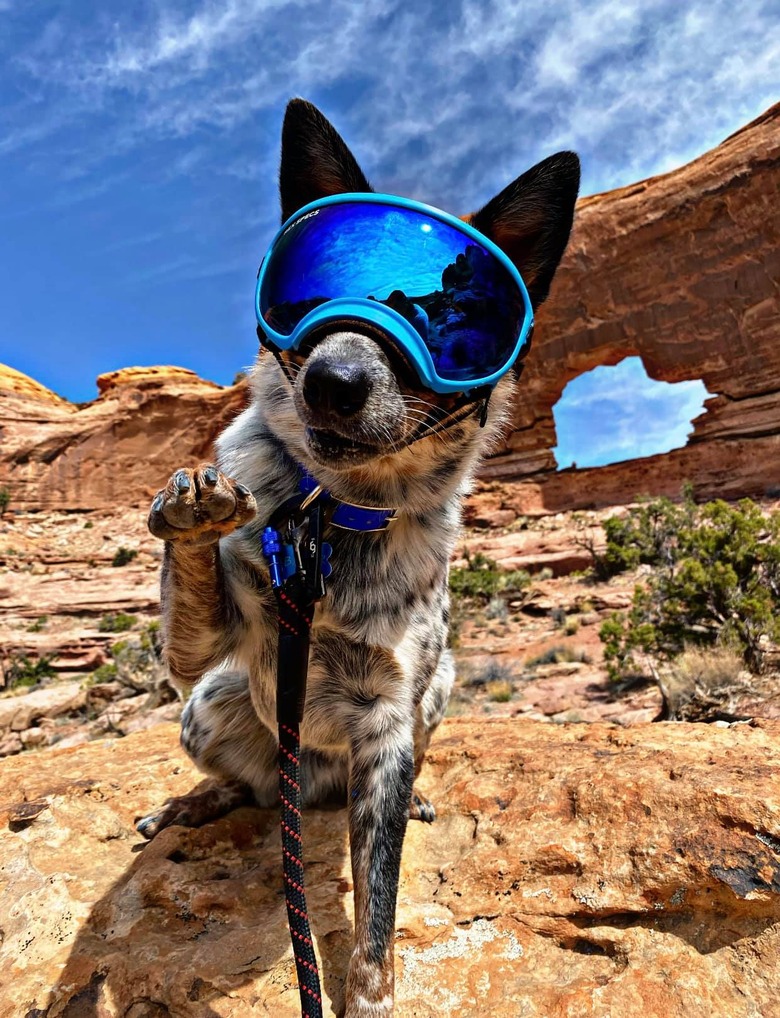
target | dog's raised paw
x=200, y=505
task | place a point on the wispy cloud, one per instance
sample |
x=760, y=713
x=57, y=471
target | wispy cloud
x=637, y=84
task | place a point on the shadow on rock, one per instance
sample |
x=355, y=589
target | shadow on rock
x=196, y=926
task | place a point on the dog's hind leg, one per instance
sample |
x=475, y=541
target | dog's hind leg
x=429, y=715
x=222, y=734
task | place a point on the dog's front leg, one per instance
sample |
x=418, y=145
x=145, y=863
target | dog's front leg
x=380, y=788
x=201, y=617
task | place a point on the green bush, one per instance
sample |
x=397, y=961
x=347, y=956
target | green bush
x=5, y=499
x=123, y=556
x=104, y=673
x=118, y=623
x=481, y=579
x=646, y=535
x=40, y=624
x=21, y=670
x=716, y=579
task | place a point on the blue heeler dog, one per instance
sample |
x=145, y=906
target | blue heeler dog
x=380, y=672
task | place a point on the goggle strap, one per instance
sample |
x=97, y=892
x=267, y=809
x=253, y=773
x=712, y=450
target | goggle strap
x=284, y=366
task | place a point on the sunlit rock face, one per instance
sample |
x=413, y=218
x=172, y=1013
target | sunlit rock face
x=572, y=869
x=115, y=451
x=680, y=270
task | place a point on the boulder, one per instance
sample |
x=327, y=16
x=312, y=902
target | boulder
x=573, y=870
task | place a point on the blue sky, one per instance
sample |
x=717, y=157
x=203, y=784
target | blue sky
x=623, y=414
x=139, y=143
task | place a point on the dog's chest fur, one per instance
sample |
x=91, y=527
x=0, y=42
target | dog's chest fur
x=380, y=631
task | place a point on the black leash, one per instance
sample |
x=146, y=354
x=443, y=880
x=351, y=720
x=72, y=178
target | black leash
x=295, y=559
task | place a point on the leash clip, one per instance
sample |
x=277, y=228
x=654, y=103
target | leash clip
x=298, y=558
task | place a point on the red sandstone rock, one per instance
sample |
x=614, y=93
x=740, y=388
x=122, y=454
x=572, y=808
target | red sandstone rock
x=682, y=271
x=573, y=870
x=117, y=450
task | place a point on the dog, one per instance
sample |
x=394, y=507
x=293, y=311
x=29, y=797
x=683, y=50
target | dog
x=380, y=672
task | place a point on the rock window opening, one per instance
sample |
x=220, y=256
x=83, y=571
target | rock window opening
x=612, y=414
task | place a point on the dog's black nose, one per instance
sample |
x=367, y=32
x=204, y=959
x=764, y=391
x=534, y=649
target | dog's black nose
x=339, y=388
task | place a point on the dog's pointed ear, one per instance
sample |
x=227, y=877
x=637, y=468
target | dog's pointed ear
x=315, y=159
x=531, y=220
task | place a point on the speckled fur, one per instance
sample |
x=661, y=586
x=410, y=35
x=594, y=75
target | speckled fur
x=380, y=673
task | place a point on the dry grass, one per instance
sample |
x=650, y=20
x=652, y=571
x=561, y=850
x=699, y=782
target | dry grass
x=704, y=684
x=711, y=668
x=499, y=692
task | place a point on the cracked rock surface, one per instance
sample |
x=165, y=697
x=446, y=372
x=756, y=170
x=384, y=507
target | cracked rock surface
x=573, y=870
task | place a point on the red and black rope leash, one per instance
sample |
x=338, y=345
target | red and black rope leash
x=292, y=863
x=296, y=595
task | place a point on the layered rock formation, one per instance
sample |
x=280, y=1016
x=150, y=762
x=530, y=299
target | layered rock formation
x=116, y=450
x=573, y=870
x=681, y=270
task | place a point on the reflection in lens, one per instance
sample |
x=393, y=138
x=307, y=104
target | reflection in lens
x=455, y=293
x=469, y=325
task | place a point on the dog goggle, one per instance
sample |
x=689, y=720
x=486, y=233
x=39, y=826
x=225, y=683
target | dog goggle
x=444, y=295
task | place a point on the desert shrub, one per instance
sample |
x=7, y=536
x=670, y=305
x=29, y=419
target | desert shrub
x=40, y=624
x=5, y=499
x=103, y=673
x=558, y=615
x=710, y=668
x=559, y=654
x=715, y=580
x=118, y=623
x=486, y=674
x=138, y=664
x=646, y=535
x=123, y=556
x=497, y=609
x=481, y=579
x=500, y=692
x=21, y=670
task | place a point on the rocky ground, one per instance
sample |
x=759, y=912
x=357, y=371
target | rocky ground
x=66, y=603
x=574, y=871
x=92, y=623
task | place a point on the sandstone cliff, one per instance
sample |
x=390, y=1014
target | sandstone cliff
x=681, y=270
x=573, y=870
x=117, y=450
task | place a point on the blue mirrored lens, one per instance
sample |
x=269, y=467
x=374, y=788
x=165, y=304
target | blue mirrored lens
x=461, y=299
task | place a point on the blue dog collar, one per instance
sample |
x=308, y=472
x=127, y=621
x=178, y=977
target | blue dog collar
x=346, y=515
